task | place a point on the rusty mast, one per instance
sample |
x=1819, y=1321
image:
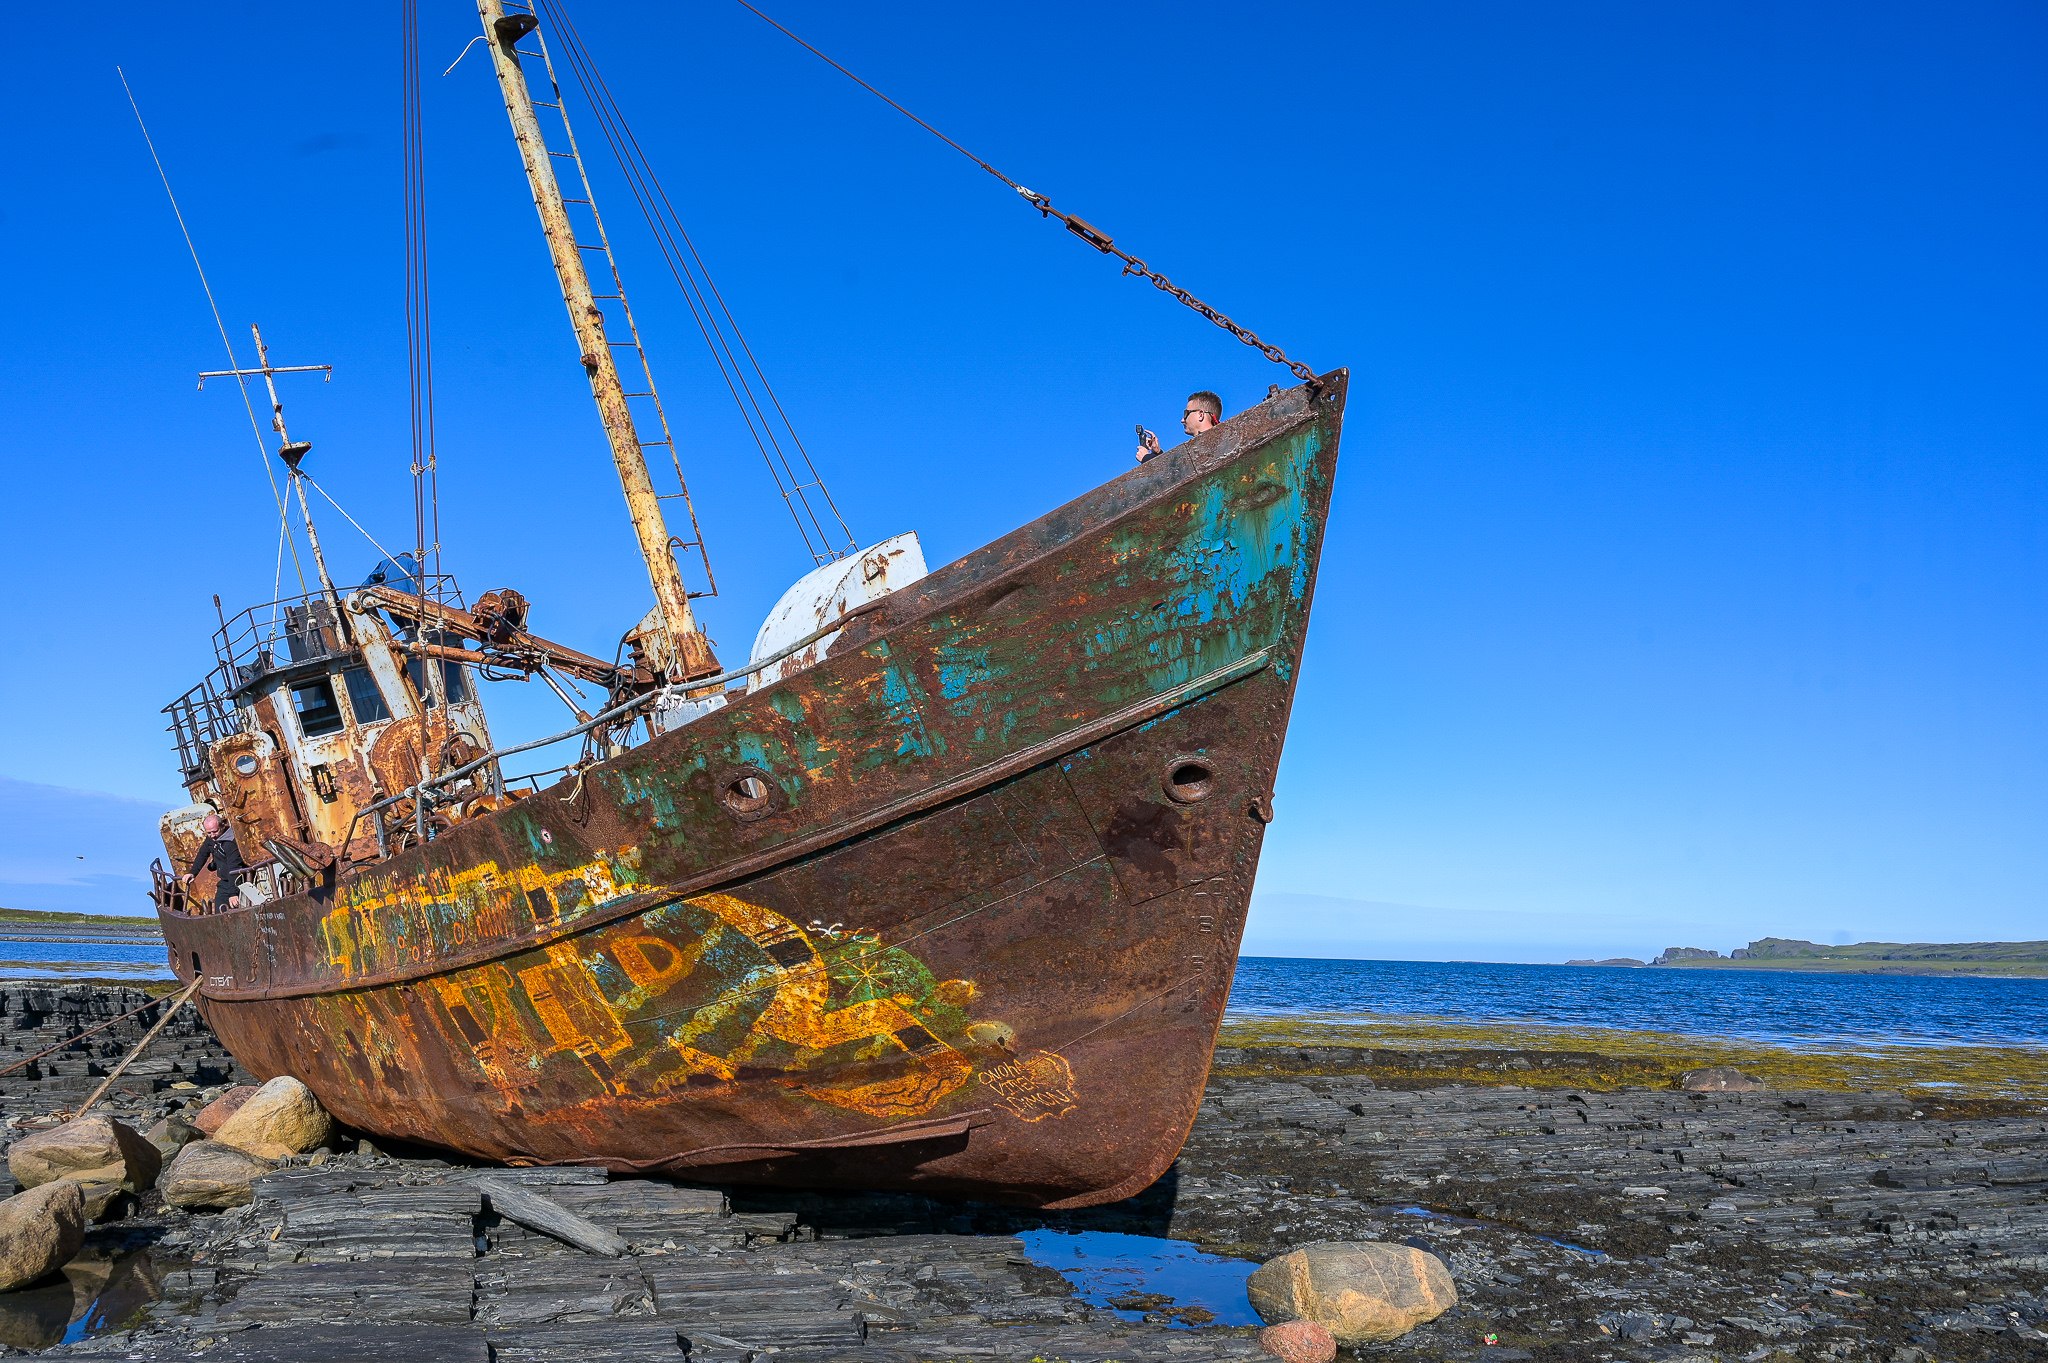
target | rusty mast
x=679, y=650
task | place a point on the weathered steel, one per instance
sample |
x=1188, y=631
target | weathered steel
x=505, y=644
x=685, y=652
x=955, y=908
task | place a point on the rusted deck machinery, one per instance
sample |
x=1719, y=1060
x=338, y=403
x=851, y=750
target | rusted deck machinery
x=949, y=901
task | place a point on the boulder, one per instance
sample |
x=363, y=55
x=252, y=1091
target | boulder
x=281, y=1118
x=171, y=1135
x=40, y=1230
x=209, y=1118
x=90, y=1149
x=209, y=1174
x=1719, y=1079
x=1299, y=1341
x=1362, y=1292
x=105, y=1199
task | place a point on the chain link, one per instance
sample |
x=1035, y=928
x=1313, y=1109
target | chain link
x=1087, y=233
x=1134, y=266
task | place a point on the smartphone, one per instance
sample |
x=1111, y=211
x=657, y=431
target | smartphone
x=1147, y=439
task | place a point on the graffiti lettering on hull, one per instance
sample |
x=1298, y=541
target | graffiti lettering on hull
x=712, y=990
x=1032, y=1087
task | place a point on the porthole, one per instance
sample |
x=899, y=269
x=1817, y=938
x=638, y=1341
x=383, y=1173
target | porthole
x=748, y=795
x=246, y=764
x=1189, y=779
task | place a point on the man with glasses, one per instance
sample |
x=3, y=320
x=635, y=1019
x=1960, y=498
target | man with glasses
x=1204, y=411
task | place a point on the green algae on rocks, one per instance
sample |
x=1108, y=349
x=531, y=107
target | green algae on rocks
x=1422, y=1051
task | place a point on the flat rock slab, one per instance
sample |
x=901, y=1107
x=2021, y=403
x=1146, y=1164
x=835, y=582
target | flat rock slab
x=362, y=1343
x=616, y=1342
x=384, y=1292
x=560, y=1290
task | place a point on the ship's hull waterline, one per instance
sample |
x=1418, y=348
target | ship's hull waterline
x=969, y=928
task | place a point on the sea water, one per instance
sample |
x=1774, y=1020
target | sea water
x=58, y=960
x=1786, y=1008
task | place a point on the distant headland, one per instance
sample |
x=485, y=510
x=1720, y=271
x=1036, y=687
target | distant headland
x=41, y=925
x=1861, y=958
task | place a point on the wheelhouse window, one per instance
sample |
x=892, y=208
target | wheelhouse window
x=364, y=699
x=452, y=678
x=317, y=710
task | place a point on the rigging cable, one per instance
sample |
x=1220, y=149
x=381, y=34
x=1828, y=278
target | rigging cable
x=707, y=305
x=262, y=451
x=381, y=550
x=1085, y=231
x=419, y=342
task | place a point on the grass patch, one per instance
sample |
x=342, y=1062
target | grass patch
x=45, y=918
x=1428, y=1051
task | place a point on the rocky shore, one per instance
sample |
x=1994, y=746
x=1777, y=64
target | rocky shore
x=1577, y=1222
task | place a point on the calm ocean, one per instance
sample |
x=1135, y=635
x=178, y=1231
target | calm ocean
x=113, y=960
x=1783, y=1007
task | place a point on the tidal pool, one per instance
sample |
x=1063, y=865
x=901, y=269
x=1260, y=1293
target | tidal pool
x=1140, y=1275
x=100, y=1290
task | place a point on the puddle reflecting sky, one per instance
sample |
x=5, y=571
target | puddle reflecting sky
x=98, y=1291
x=1108, y=1268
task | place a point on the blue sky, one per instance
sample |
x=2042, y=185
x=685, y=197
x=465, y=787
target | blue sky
x=1686, y=576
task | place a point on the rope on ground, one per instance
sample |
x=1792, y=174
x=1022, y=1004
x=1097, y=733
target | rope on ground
x=140, y=1047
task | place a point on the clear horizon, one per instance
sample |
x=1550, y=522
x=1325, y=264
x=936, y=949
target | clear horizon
x=1687, y=581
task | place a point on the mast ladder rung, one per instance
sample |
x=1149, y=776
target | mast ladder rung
x=636, y=395
x=565, y=155
x=589, y=246
x=545, y=104
x=568, y=200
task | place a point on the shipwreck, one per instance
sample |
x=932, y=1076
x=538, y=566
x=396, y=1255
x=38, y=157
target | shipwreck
x=941, y=889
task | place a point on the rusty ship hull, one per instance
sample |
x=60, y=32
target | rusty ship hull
x=954, y=910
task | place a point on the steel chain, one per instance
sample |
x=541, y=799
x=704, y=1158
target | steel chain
x=1081, y=229
x=1134, y=266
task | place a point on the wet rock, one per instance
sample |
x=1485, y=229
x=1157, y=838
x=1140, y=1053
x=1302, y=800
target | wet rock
x=1719, y=1079
x=39, y=1231
x=1299, y=1341
x=210, y=1118
x=281, y=1118
x=1363, y=1292
x=172, y=1134
x=90, y=1149
x=210, y=1174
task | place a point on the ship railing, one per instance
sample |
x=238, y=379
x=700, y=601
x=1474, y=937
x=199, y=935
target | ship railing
x=422, y=793
x=296, y=629
x=199, y=719
x=287, y=632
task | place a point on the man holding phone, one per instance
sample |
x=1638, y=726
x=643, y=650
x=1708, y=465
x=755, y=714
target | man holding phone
x=1204, y=412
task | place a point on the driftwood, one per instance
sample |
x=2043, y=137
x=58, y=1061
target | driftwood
x=537, y=1211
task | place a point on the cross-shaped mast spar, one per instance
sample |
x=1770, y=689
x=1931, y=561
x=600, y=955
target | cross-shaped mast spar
x=290, y=451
